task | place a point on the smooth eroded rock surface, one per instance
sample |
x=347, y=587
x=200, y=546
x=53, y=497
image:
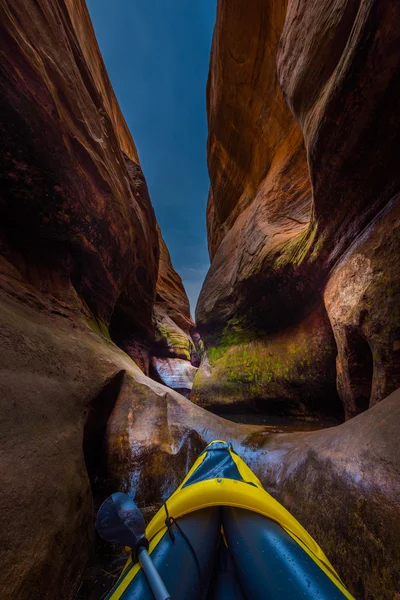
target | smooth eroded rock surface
x=61, y=384
x=53, y=367
x=303, y=204
x=362, y=301
x=74, y=201
x=176, y=373
x=343, y=485
x=302, y=109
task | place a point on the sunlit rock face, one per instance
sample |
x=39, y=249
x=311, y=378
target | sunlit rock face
x=302, y=109
x=176, y=373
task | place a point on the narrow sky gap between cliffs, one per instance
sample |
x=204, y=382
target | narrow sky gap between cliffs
x=157, y=56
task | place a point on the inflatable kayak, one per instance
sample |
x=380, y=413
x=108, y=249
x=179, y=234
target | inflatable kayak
x=222, y=536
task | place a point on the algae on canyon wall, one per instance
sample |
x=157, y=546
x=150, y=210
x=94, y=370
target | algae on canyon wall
x=302, y=109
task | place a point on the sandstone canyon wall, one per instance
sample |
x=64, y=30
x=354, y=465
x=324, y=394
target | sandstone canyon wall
x=79, y=265
x=300, y=305
x=173, y=348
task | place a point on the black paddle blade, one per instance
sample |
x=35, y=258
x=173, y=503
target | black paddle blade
x=119, y=520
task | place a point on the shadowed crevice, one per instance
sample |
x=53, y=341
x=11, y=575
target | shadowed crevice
x=360, y=371
x=94, y=438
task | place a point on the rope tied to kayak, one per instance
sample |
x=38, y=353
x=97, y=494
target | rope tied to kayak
x=169, y=521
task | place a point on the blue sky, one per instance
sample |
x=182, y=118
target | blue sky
x=157, y=53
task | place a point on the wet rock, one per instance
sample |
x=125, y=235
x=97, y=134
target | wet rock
x=343, y=485
x=154, y=435
x=175, y=373
x=79, y=420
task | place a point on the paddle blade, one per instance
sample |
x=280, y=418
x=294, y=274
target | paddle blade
x=119, y=520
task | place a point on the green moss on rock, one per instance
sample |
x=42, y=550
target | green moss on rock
x=293, y=372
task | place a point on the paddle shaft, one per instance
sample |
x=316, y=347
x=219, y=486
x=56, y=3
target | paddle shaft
x=155, y=582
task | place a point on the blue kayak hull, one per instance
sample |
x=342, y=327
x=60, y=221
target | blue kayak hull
x=229, y=539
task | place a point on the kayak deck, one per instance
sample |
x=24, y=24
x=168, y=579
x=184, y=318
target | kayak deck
x=221, y=535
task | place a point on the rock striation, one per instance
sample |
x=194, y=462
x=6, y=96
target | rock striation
x=176, y=373
x=302, y=107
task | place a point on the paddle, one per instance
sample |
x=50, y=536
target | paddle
x=119, y=520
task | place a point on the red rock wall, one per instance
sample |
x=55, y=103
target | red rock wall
x=79, y=261
x=71, y=194
x=260, y=194
x=303, y=130
x=253, y=136
x=84, y=32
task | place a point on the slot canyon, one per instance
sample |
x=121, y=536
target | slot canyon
x=107, y=380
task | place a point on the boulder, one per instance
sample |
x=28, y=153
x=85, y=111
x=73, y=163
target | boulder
x=154, y=435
